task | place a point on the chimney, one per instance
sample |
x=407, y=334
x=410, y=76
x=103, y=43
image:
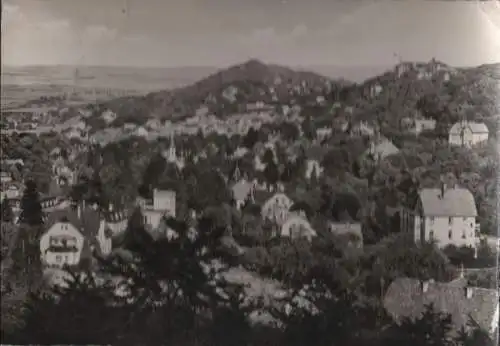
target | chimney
x=468, y=292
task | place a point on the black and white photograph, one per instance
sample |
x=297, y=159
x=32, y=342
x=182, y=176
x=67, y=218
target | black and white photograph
x=250, y=172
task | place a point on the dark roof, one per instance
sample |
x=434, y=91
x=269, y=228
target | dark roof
x=405, y=298
x=88, y=224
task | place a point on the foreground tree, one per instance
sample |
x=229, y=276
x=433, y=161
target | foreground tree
x=31, y=209
x=6, y=209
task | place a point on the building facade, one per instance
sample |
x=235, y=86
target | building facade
x=446, y=216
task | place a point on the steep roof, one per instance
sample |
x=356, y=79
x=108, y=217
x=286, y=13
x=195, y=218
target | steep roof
x=405, y=298
x=88, y=224
x=455, y=202
x=473, y=126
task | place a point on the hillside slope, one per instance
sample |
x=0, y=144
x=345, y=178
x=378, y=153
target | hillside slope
x=225, y=90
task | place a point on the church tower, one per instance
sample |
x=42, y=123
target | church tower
x=172, y=154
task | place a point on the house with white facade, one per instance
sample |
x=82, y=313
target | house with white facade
x=446, y=215
x=277, y=208
x=313, y=169
x=468, y=134
x=11, y=191
x=381, y=147
x=162, y=204
x=5, y=177
x=73, y=235
x=297, y=226
x=419, y=125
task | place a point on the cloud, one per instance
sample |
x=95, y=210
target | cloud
x=99, y=33
x=270, y=36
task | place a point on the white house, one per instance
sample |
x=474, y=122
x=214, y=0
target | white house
x=276, y=208
x=5, y=177
x=468, y=134
x=12, y=191
x=421, y=125
x=162, y=204
x=73, y=235
x=445, y=215
x=313, y=168
x=381, y=147
x=296, y=226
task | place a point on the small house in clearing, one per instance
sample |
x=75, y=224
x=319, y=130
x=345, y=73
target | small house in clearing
x=468, y=134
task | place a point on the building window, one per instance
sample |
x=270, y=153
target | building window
x=450, y=220
x=432, y=220
x=464, y=235
x=450, y=234
x=58, y=259
x=431, y=234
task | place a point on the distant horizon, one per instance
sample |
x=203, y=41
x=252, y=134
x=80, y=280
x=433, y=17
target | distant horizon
x=222, y=66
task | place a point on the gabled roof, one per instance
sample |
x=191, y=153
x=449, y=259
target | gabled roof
x=475, y=127
x=454, y=203
x=405, y=298
x=88, y=224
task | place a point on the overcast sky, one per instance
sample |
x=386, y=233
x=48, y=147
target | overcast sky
x=222, y=32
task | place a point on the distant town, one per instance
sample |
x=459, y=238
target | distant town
x=288, y=204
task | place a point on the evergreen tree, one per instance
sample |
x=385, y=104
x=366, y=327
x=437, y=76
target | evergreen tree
x=7, y=213
x=31, y=209
x=271, y=173
x=96, y=193
x=251, y=138
x=308, y=128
